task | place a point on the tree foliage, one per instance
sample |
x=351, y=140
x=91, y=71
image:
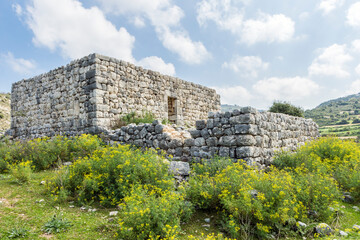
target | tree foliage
x=287, y=108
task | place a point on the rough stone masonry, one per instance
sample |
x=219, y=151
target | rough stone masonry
x=241, y=134
x=90, y=94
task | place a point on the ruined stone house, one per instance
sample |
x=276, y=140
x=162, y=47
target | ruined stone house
x=90, y=94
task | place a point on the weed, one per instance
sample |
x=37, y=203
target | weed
x=56, y=224
x=21, y=172
x=18, y=232
x=133, y=117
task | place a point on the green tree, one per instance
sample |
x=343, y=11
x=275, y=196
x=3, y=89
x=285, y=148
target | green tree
x=287, y=108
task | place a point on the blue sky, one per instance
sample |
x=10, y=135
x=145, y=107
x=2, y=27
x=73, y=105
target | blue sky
x=252, y=52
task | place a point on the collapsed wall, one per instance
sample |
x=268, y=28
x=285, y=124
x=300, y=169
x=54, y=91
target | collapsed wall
x=242, y=134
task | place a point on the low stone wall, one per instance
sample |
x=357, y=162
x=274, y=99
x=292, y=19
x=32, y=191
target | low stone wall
x=242, y=134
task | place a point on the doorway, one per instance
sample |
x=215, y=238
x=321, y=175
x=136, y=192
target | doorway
x=172, y=109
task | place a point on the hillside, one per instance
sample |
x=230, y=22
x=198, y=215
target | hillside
x=228, y=107
x=4, y=111
x=340, y=111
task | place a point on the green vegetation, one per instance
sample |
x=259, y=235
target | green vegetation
x=75, y=201
x=350, y=130
x=336, y=111
x=133, y=117
x=56, y=224
x=18, y=232
x=287, y=108
x=46, y=153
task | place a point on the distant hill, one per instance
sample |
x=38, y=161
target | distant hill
x=229, y=108
x=340, y=111
x=4, y=111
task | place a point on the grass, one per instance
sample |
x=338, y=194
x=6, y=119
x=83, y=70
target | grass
x=22, y=211
x=22, y=206
x=25, y=209
x=197, y=224
x=28, y=211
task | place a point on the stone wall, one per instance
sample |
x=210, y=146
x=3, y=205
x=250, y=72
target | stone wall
x=122, y=88
x=56, y=102
x=242, y=134
x=90, y=94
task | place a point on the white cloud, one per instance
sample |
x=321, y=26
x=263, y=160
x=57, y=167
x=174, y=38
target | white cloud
x=18, y=9
x=19, y=65
x=357, y=69
x=157, y=64
x=227, y=15
x=246, y=66
x=165, y=17
x=304, y=15
x=159, y=12
x=77, y=31
x=353, y=16
x=224, y=13
x=180, y=43
x=234, y=95
x=329, y=5
x=356, y=45
x=354, y=88
x=286, y=89
x=268, y=28
x=331, y=62
x=138, y=22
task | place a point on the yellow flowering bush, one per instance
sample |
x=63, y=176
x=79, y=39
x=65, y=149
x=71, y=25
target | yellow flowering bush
x=151, y=213
x=110, y=173
x=330, y=157
x=203, y=187
x=136, y=181
x=256, y=203
x=21, y=172
x=45, y=153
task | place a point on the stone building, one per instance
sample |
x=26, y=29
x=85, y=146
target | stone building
x=90, y=94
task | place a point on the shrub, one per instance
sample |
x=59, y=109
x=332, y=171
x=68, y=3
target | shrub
x=22, y=171
x=334, y=157
x=203, y=188
x=342, y=122
x=45, y=153
x=255, y=203
x=137, y=182
x=287, y=108
x=109, y=174
x=356, y=120
x=3, y=165
x=133, y=117
x=151, y=213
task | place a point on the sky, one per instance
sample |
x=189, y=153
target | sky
x=252, y=52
